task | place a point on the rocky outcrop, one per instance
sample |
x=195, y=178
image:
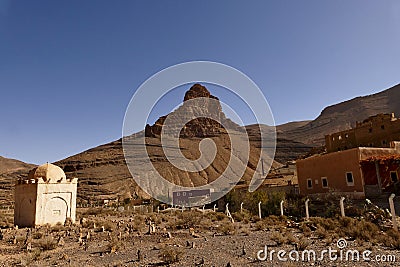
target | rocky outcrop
x=198, y=116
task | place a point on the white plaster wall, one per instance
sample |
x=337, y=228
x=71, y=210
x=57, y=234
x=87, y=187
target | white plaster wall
x=44, y=203
x=25, y=205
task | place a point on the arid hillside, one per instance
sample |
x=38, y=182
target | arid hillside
x=10, y=165
x=103, y=173
x=10, y=170
x=344, y=115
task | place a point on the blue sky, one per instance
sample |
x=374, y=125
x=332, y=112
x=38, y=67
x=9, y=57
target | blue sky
x=69, y=68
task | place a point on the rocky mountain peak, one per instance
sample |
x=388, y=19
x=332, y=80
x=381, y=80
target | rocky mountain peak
x=196, y=91
x=202, y=117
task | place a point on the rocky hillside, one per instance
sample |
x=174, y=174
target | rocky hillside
x=344, y=115
x=10, y=170
x=103, y=173
x=11, y=165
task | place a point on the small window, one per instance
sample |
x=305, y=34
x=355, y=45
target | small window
x=384, y=142
x=370, y=130
x=340, y=137
x=383, y=127
x=347, y=135
x=184, y=194
x=333, y=138
x=178, y=194
x=56, y=212
x=309, y=183
x=324, y=181
x=349, y=178
x=394, y=176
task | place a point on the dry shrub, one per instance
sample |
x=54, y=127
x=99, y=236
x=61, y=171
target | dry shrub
x=278, y=238
x=108, y=225
x=138, y=222
x=217, y=216
x=290, y=238
x=361, y=230
x=331, y=238
x=187, y=219
x=325, y=223
x=260, y=225
x=390, y=239
x=305, y=229
x=345, y=221
x=6, y=221
x=227, y=228
x=99, y=211
x=322, y=233
x=58, y=227
x=37, y=235
x=115, y=245
x=47, y=243
x=243, y=216
x=29, y=258
x=245, y=231
x=92, y=211
x=170, y=254
x=275, y=220
x=303, y=244
x=156, y=218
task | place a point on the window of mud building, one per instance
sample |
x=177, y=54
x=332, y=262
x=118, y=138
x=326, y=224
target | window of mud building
x=309, y=183
x=394, y=176
x=324, y=181
x=349, y=179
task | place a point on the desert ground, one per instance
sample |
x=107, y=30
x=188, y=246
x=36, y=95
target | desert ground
x=171, y=237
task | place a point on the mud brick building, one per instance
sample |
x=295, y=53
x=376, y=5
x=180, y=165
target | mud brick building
x=376, y=131
x=358, y=172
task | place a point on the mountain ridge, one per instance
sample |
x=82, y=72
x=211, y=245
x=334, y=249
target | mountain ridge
x=344, y=115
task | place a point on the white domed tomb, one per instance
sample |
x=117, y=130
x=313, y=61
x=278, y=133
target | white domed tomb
x=46, y=196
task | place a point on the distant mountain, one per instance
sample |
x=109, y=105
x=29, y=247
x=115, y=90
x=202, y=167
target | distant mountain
x=10, y=170
x=10, y=165
x=287, y=127
x=343, y=116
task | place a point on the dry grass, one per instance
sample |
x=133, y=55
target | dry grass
x=305, y=229
x=47, y=243
x=170, y=255
x=58, y=227
x=278, y=238
x=227, y=228
x=115, y=245
x=303, y=244
x=243, y=217
x=390, y=239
